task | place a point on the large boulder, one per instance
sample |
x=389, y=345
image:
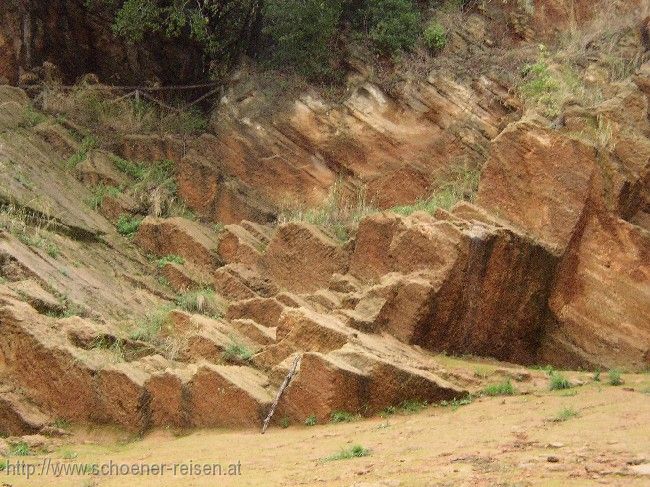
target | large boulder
x=539, y=180
x=302, y=258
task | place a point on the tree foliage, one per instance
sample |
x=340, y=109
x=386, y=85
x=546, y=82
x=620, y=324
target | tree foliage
x=300, y=35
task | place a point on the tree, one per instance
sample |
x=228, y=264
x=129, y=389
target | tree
x=303, y=33
x=394, y=25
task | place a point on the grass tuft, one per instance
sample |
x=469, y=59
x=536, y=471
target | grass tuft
x=355, y=451
x=343, y=417
x=501, y=389
x=565, y=414
x=558, y=382
x=614, y=377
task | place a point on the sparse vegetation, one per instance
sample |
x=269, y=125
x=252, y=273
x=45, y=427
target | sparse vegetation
x=285, y=423
x=148, y=329
x=237, y=352
x=99, y=192
x=355, y=451
x=201, y=301
x=87, y=144
x=29, y=227
x=455, y=403
x=127, y=225
x=461, y=185
x=20, y=449
x=596, y=376
x=565, y=414
x=69, y=454
x=558, y=381
x=501, y=389
x=343, y=417
x=167, y=259
x=339, y=214
x=311, y=420
x=614, y=377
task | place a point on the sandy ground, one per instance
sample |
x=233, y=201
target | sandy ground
x=506, y=441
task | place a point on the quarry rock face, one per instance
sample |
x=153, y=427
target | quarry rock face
x=188, y=324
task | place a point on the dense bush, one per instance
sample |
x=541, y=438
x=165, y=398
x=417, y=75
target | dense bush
x=393, y=24
x=435, y=36
x=303, y=34
x=296, y=35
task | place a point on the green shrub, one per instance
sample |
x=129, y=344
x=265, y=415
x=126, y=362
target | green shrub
x=311, y=421
x=558, y=382
x=455, y=403
x=614, y=377
x=435, y=36
x=355, y=451
x=20, y=449
x=148, y=329
x=501, y=389
x=127, y=225
x=303, y=33
x=343, y=417
x=171, y=258
x=237, y=352
x=394, y=24
x=285, y=422
x=410, y=406
x=565, y=414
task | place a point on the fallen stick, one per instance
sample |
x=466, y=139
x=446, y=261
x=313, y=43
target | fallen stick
x=285, y=384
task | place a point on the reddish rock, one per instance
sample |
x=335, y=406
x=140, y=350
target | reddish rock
x=237, y=245
x=99, y=169
x=168, y=394
x=179, y=236
x=302, y=258
x=122, y=397
x=265, y=311
x=601, y=299
x=539, y=180
x=237, y=282
x=227, y=396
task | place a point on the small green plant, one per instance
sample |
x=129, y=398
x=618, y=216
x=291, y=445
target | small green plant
x=596, y=376
x=285, y=423
x=311, y=420
x=62, y=424
x=355, y=451
x=481, y=372
x=237, y=352
x=98, y=193
x=388, y=411
x=20, y=449
x=167, y=259
x=394, y=25
x=148, y=329
x=87, y=144
x=127, y=225
x=455, y=403
x=614, y=377
x=69, y=455
x=557, y=381
x=343, y=417
x=565, y=414
x=435, y=37
x=32, y=116
x=411, y=406
x=501, y=389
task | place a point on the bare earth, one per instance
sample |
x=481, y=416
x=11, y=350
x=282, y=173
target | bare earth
x=493, y=441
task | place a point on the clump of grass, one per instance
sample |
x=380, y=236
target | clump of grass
x=558, y=381
x=481, y=372
x=99, y=192
x=32, y=116
x=114, y=346
x=355, y=451
x=154, y=187
x=148, y=329
x=201, y=301
x=88, y=143
x=501, y=389
x=411, y=406
x=169, y=259
x=285, y=423
x=339, y=214
x=237, y=352
x=343, y=417
x=311, y=420
x=127, y=224
x=614, y=377
x=62, y=424
x=455, y=403
x=435, y=36
x=69, y=454
x=565, y=414
x=596, y=376
x=461, y=186
x=20, y=449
